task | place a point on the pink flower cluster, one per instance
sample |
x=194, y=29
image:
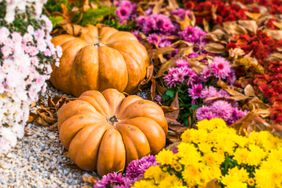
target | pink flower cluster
x=220, y=109
x=219, y=68
x=25, y=65
x=155, y=23
x=124, y=10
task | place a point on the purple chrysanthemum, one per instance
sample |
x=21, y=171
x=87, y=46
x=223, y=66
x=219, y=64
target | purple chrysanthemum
x=124, y=10
x=176, y=75
x=154, y=39
x=181, y=13
x=181, y=63
x=220, y=68
x=222, y=109
x=155, y=23
x=205, y=112
x=113, y=180
x=195, y=91
x=135, y=169
x=236, y=115
x=211, y=91
x=193, y=34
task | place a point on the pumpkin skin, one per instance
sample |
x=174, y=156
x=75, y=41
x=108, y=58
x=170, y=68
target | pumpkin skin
x=100, y=58
x=105, y=131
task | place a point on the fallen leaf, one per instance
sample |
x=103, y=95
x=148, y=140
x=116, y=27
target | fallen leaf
x=89, y=179
x=215, y=48
x=254, y=16
x=174, y=106
x=249, y=91
x=275, y=34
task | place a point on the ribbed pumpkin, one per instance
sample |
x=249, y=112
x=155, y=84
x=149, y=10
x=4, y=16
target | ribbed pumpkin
x=105, y=131
x=99, y=58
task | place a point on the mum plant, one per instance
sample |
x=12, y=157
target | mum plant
x=25, y=64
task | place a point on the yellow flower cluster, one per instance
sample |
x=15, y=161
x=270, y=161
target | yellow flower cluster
x=215, y=151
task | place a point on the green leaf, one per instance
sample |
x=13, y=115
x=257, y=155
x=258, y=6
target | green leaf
x=194, y=107
x=56, y=20
x=93, y=16
x=170, y=93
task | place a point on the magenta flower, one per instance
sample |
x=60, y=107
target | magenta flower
x=124, y=10
x=220, y=67
x=222, y=109
x=236, y=115
x=176, y=75
x=155, y=23
x=205, y=112
x=211, y=91
x=181, y=63
x=193, y=35
x=196, y=91
x=135, y=169
x=113, y=180
x=181, y=13
x=154, y=39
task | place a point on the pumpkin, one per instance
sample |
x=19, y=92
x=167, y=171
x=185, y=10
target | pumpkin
x=99, y=58
x=105, y=131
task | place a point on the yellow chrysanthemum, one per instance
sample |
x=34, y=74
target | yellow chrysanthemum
x=188, y=154
x=213, y=159
x=170, y=181
x=235, y=175
x=154, y=172
x=165, y=157
x=192, y=175
x=144, y=183
x=204, y=147
x=237, y=184
x=241, y=155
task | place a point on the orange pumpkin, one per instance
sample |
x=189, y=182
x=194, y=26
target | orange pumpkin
x=99, y=58
x=105, y=131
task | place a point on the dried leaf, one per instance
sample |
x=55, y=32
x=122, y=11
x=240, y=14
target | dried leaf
x=72, y=29
x=232, y=28
x=158, y=6
x=89, y=179
x=249, y=91
x=275, y=56
x=32, y=117
x=254, y=16
x=174, y=106
x=278, y=25
x=249, y=25
x=165, y=66
x=215, y=48
x=275, y=34
x=149, y=75
x=206, y=26
x=153, y=89
x=173, y=4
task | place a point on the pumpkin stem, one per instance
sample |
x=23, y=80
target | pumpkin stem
x=113, y=120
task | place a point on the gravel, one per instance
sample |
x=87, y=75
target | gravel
x=38, y=161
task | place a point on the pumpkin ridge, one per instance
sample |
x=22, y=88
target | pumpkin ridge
x=116, y=144
x=154, y=126
x=125, y=133
x=71, y=119
x=105, y=78
x=93, y=127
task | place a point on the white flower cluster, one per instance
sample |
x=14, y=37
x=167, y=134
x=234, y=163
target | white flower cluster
x=20, y=5
x=25, y=65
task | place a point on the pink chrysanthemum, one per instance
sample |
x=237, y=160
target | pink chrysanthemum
x=196, y=91
x=113, y=180
x=220, y=67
